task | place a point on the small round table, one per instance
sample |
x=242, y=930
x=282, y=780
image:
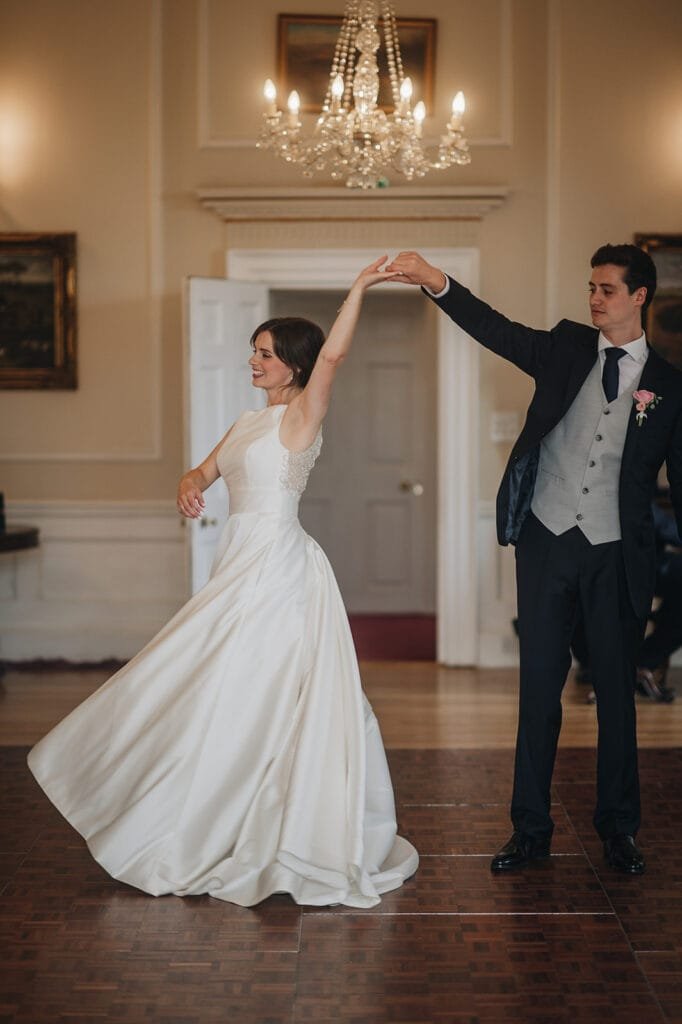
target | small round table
x=18, y=538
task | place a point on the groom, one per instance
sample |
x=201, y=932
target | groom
x=575, y=500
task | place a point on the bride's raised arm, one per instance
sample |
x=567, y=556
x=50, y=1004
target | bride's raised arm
x=306, y=412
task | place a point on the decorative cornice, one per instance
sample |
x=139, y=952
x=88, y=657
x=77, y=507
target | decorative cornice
x=467, y=202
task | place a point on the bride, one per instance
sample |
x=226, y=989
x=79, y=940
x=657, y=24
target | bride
x=236, y=754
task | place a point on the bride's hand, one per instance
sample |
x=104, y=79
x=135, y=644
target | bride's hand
x=372, y=274
x=190, y=501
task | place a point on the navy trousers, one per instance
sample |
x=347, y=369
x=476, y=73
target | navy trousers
x=559, y=578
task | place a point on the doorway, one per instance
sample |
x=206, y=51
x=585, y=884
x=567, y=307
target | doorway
x=371, y=502
x=456, y=414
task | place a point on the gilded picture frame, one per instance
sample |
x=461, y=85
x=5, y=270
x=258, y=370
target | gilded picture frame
x=305, y=48
x=664, y=316
x=38, y=311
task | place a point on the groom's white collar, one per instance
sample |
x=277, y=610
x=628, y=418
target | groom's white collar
x=637, y=349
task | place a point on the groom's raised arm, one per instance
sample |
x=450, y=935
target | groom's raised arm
x=526, y=348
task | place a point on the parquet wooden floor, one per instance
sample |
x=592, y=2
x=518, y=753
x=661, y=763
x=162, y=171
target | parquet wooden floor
x=567, y=940
x=420, y=705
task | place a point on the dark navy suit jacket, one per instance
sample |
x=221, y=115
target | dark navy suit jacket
x=559, y=361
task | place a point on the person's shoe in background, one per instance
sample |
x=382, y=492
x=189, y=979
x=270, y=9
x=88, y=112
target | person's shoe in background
x=651, y=683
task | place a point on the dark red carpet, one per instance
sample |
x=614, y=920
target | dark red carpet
x=394, y=637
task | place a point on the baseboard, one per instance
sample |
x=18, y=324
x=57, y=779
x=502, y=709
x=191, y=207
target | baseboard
x=108, y=575
x=104, y=580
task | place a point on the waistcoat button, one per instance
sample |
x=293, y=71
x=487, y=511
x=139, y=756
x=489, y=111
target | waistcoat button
x=598, y=437
x=586, y=490
x=592, y=463
x=579, y=516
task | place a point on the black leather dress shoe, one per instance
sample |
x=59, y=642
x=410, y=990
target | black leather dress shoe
x=519, y=851
x=623, y=855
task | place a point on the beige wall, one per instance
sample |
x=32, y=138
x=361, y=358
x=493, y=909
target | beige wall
x=112, y=115
x=79, y=152
x=619, y=129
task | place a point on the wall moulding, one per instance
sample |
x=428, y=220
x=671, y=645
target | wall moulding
x=106, y=577
x=467, y=202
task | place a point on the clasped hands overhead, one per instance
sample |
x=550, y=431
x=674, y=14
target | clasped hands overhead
x=410, y=268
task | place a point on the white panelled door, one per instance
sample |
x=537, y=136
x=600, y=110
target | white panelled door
x=371, y=499
x=220, y=316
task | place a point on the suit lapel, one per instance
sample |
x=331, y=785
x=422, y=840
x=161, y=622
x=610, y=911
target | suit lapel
x=585, y=358
x=652, y=379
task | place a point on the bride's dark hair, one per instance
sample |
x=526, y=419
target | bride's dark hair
x=296, y=341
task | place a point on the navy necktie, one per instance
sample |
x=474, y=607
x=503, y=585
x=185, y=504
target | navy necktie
x=610, y=375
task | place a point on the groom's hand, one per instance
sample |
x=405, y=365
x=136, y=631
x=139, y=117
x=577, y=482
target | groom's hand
x=413, y=269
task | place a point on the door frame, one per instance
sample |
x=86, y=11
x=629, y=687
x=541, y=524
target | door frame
x=457, y=420
x=233, y=298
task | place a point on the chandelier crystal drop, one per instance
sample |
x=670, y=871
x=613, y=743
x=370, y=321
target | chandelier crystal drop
x=353, y=138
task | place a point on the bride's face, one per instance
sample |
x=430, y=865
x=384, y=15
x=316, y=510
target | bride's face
x=268, y=371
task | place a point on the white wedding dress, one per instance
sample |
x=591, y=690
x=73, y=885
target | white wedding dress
x=236, y=754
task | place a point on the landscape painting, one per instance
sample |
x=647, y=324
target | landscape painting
x=306, y=49
x=37, y=311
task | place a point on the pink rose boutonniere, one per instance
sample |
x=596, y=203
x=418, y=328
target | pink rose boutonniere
x=644, y=401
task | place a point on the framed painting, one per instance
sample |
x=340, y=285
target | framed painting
x=305, y=48
x=38, y=311
x=664, y=315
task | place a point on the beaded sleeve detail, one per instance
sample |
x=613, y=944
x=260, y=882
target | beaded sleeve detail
x=296, y=467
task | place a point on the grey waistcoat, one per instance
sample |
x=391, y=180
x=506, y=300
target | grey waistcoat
x=579, y=468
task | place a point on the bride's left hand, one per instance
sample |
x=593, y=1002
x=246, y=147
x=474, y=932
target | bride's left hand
x=373, y=274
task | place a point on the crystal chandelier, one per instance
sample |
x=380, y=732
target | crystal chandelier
x=353, y=138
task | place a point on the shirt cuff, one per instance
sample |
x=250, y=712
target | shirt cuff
x=443, y=291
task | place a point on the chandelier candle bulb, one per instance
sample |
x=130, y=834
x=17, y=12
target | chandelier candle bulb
x=294, y=105
x=458, y=108
x=405, y=95
x=337, y=93
x=419, y=113
x=270, y=94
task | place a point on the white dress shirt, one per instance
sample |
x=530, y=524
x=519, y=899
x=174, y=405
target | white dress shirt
x=629, y=368
x=443, y=291
x=631, y=365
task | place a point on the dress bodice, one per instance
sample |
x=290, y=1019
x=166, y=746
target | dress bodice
x=261, y=475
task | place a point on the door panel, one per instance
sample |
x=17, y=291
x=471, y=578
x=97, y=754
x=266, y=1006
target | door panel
x=389, y=535
x=389, y=410
x=219, y=318
x=379, y=444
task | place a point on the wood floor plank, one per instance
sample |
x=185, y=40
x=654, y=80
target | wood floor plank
x=663, y=972
x=465, y=885
x=419, y=705
x=474, y=829
x=567, y=940
x=415, y=969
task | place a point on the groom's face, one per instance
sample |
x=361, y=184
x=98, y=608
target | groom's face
x=611, y=304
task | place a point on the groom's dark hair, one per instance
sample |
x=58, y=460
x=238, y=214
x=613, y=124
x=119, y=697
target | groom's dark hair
x=640, y=269
x=296, y=341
